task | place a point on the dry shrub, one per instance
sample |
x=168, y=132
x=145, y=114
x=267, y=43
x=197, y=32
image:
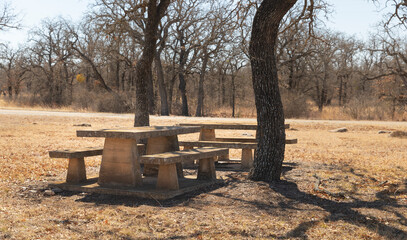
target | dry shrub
x=84, y=99
x=99, y=101
x=399, y=134
x=240, y=112
x=110, y=103
x=367, y=108
x=295, y=105
x=329, y=113
x=33, y=101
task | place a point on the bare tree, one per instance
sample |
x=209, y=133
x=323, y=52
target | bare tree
x=270, y=116
x=184, y=45
x=50, y=54
x=14, y=64
x=219, y=27
x=8, y=17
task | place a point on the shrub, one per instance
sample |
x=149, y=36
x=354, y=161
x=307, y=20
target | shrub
x=295, y=105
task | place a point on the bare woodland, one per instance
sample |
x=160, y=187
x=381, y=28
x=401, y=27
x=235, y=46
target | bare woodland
x=201, y=63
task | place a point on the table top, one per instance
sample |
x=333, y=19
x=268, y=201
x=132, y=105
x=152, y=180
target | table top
x=225, y=125
x=139, y=132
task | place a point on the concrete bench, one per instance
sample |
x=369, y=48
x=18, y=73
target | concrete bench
x=167, y=172
x=76, y=165
x=246, y=144
x=246, y=147
x=235, y=139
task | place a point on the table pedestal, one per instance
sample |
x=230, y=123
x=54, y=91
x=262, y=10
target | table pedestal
x=119, y=165
x=160, y=145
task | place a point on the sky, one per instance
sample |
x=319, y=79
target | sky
x=356, y=18
x=32, y=12
x=353, y=17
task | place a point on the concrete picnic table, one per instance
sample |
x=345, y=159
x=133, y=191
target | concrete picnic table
x=120, y=165
x=207, y=137
x=207, y=132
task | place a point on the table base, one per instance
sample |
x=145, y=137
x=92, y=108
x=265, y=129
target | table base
x=147, y=190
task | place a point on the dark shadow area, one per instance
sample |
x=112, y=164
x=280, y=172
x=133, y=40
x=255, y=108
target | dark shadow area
x=131, y=201
x=340, y=211
x=290, y=197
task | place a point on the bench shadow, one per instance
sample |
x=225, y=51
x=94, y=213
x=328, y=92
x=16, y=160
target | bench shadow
x=132, y=201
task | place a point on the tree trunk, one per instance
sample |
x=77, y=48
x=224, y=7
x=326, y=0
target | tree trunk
x=161, y=85
x=233, y=102
x=182, y=83
x=200, y=105
x=182, y=88
x=150, y=94
x=171, y=91
x=143, y=67
x=340, y=91
x=270, y=116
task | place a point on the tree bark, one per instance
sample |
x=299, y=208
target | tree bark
x=270, y=116
x=161, y=85
x=200, y=105
x=182, y=83
x=143, y=67
x=233, y=101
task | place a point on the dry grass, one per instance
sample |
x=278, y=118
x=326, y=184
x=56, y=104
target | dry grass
x=335, y=186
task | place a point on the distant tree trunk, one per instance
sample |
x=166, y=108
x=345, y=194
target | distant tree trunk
x=201, y=94
x=117, y=75
x=182, y=88
x=182, y=83
x=222, y=91
x=161, y=85
x=171, y=91
x=233, y=102
x=143, y=67
x=270, y=117
x=340, y=77
x=291, y=75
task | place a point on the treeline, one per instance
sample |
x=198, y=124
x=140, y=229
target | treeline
x=201, y=64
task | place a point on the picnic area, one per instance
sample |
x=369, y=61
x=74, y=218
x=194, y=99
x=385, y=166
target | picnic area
x=335, y=185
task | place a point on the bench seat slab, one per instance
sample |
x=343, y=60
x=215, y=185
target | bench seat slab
x=219, y=144
x=184, y=155
x=79, y=153
x=251, y=140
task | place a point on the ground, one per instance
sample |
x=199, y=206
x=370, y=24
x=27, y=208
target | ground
x=348, y=185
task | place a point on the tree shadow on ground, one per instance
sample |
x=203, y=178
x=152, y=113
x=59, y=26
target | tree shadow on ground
x=290, y=197
x=340, y=211
x=337, y=210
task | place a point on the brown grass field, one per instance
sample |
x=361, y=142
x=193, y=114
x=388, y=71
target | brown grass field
x=349, y=185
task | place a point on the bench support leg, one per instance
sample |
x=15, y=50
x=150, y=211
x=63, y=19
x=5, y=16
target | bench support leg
x=247, y=158
x=224, y=157
x=167, y=178
x=207, y=135
x=188, y=163
x=76, y=170
x=206, y=170
x=160, y=145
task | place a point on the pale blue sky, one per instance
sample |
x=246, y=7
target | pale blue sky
x=33, y=12
x=353, y=17
x=356, y=17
